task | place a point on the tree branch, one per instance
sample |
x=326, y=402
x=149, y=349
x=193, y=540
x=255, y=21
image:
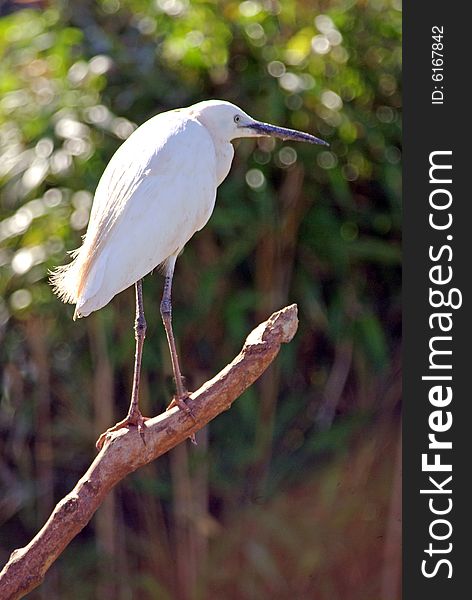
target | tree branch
x=124, y=452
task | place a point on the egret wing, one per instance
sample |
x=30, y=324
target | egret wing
x=158, y=189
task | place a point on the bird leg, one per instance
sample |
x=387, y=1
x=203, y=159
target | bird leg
x=166, y=313
x=134, y=416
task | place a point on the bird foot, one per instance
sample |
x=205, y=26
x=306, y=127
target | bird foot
x=180, y=403
x=134, y=418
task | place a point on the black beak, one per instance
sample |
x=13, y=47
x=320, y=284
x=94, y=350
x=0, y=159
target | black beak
x=283, y=133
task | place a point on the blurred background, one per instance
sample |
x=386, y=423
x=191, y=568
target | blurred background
x=294, y=492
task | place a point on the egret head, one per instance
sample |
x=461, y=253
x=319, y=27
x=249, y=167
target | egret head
x=226, y=122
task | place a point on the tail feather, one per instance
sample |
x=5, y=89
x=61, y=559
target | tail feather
x=66, y=279
x=71, y=283
x=63, y=281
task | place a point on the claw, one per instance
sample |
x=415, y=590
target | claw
x=135, y=419
x=180, y=403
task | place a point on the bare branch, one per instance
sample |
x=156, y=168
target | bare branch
x=124, y=452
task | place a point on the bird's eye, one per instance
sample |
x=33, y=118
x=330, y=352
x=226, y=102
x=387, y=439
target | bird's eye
x=237, y=118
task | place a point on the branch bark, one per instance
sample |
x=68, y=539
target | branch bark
x=124, y=452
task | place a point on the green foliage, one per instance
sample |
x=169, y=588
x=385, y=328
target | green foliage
x=293, y=223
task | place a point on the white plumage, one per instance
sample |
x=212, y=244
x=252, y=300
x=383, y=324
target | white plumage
x=158, y=189
x=156, y=192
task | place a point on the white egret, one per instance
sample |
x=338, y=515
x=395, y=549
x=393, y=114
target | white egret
x=158, y=189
